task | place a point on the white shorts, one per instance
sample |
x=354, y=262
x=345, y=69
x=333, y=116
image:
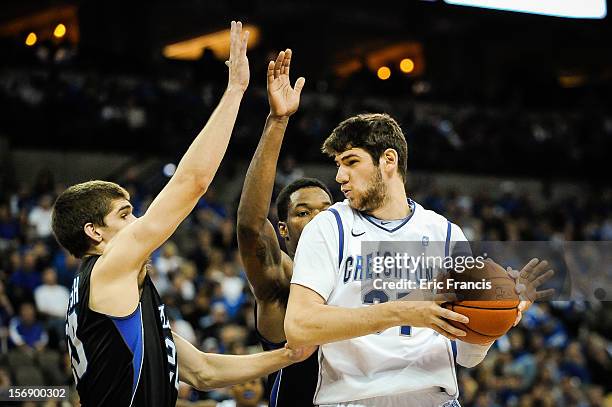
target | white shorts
x=426, y=398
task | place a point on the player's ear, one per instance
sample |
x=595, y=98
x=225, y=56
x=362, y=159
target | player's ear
x=389, y=159
x=92, y=232
x=282, y=229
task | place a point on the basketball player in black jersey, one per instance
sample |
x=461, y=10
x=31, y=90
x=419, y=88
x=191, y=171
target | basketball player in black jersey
x=122, y=350
x=268, y=268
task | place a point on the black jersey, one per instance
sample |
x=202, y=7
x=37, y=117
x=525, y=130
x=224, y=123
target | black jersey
x=294, y=385
x=128, y=361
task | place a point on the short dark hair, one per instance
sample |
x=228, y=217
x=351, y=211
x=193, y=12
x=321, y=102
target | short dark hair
x=78, y=205
x=374, y=132
x=282, y=201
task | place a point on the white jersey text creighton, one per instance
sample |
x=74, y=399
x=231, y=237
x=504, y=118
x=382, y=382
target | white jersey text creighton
x=399, y=360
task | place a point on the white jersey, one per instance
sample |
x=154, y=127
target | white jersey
x=398, y=360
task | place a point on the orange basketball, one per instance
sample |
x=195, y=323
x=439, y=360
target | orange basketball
x=492, y=311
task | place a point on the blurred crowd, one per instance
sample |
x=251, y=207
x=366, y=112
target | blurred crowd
x=161, y=113
x=560, y=355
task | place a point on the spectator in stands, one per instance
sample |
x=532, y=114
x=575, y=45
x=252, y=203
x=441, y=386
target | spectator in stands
x=66, y=266
x=51, y=300
x=40, y=217
x=249, y=394
x=288, y=172
x=170, y=259
x=26, y=332
x=26, y=277
x=6, y=308
x=9, y=226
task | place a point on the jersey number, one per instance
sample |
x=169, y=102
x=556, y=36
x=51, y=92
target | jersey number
x=378, y=297
x=75, y=348
x=171, y=348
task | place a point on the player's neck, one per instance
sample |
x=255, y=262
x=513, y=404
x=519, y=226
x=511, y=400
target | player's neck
x=395, y=205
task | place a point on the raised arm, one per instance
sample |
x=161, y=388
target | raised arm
x=257, y=241
x=206, y=371
x=120, y=263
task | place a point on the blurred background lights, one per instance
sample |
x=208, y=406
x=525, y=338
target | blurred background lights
x=169, y=169
x=407, y=65
x=31, y=39
x=383, y=73
x=60, y=31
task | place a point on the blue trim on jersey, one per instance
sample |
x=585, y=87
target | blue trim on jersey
x=267, y=345
x=454, y=347
x=275, y=389
x=341, y=231
x=130, y=328
x=448, y=238
x=412, y=206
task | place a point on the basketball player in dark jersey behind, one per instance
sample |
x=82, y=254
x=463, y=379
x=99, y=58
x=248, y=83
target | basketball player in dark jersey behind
x=268, y=268
x=122, y=350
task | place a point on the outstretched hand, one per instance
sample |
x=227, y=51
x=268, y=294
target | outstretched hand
x=238, y=62
x=284, y=100
x=532, y=275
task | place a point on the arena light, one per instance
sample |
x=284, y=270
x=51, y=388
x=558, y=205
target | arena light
x=407, y=65
x=218, y=42
x=557, y=8
x=169, y=169
x=31, y=39
x=60, y=31
x=383, y=73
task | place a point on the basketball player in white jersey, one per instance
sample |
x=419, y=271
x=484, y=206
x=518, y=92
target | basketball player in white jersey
x=399, y=353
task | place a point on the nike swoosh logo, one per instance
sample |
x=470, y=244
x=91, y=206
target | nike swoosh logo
x=384, y=223
x=357, y=234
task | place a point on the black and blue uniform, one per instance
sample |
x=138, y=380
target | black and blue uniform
x=127, y=361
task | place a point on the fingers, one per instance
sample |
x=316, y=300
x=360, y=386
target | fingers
x=270, y=73
x=542, y=278
x=278, y=64
x=449, y=329
x=238, y=39
x=540, y=270
x=299, y=84
x=524, y=305
x=545, y=294
x=453, y=316
x=286, y=62
x=526, y=270
x=443, y=332
x=512, y=273
x=445, y=297
x=245, y=43
x=518, y=319
x=235, y=29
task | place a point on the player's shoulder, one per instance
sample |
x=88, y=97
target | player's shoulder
x=333, y=218
x=343, y=214
x=429, y=217
x=436, y=221
x=427, y=214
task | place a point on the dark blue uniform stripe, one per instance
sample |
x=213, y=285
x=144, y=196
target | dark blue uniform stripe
x=341, y=234
x=275, y=388
x=448, y=239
